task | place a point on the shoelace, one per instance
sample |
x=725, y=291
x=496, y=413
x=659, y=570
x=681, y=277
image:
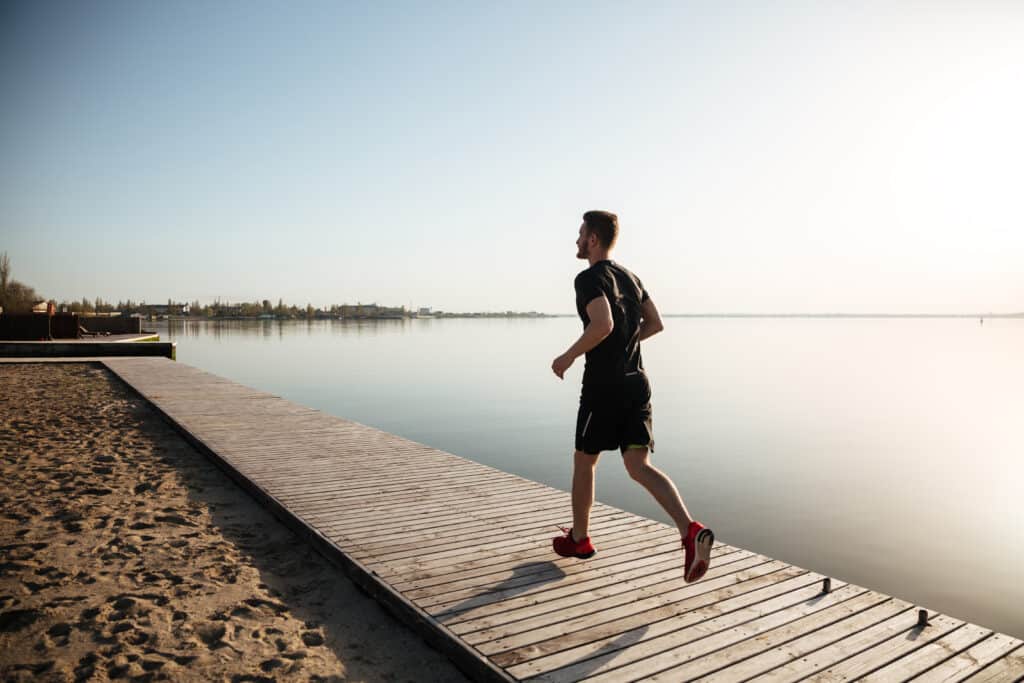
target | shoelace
x=568, y=533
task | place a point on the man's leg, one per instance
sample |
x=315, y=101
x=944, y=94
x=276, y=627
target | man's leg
x=657, y=483
x=697, y=539
x=583, y=467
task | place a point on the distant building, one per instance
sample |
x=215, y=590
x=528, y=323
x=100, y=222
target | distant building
x=163, y=310
x=44, y=307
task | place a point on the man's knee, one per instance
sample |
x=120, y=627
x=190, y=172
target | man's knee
x=636, y=463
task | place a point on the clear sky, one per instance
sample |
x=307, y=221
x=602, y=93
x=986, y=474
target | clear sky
x=761, y=156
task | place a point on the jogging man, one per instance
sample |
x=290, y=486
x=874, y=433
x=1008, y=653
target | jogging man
x=615, y=408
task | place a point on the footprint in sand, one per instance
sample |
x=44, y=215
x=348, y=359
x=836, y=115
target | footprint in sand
x=60, y=632
x=18, y=619
x=313, y=638
x=212, y=634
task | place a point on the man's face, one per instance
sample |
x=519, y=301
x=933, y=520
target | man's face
x=583, y=243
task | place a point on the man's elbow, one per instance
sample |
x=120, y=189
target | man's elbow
x=606, y=328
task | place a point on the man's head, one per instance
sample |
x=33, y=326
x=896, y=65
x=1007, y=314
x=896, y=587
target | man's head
x=598, y=233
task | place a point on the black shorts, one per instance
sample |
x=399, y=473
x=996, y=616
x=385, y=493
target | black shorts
x=616, y=417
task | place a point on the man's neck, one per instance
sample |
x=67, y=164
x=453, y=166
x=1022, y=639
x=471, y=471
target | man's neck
x=597, y=257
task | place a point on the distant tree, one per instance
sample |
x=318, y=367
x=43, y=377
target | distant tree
x=309, y=310
x=251, y=310
x=15, y=297
x=267, y=307
x=18, y=298
x=5, y=275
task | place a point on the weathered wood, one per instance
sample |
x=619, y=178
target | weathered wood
x=749, y=574
x=498, y=549
x=612, y=551
x=462, y=553
x=665, y=644
x=551, y=611
x=791, y=641
x=903, y=624
x=975, y=660
x=555, y=605
x=892, y=649
x=652, y=622
x=930, y=655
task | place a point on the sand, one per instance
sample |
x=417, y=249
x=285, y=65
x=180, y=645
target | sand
x=125, y=554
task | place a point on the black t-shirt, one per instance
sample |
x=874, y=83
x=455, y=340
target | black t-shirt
x=619, y=352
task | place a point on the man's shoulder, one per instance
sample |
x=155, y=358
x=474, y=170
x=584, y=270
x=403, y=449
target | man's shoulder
x=587, y=274
x=622, y=269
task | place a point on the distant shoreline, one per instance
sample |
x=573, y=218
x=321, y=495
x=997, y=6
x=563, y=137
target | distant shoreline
x=573, y=315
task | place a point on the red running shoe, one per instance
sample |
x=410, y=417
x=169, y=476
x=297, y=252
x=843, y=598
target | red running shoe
x=697, y=545
x=567, y=547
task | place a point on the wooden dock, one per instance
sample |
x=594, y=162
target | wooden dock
x=462, y=553
x=111, y=345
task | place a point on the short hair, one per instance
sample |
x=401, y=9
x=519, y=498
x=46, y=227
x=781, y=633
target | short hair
x=603, y=224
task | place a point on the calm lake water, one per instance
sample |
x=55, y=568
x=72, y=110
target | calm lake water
x=888, y=453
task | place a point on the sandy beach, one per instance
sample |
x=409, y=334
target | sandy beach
x=125, y=554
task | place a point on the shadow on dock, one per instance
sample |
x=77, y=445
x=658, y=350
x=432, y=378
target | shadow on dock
x=525, y=577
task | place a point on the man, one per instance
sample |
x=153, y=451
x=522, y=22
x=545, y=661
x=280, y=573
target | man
x=615, y=408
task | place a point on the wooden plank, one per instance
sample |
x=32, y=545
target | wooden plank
x=538, y=571
x=930, y=655
x=390, y=493
x=1009, y=668
x=666, y=644
x=606, y=584
x=892, y=649
x=494, y=549
x=748, y=574
x=901, y=625
x=631, y=568
x=441, y=516
x=440, y=506
x=474, y=567
x=485, y=520
x=434, y=544
x=789, y=642
x=557, y=604
x=581, y=631
x=347, y=484
x=975, y=660
x=613, y=546
x=537, y=527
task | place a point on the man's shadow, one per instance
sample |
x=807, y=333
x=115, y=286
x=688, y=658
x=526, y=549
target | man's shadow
x=525, y=577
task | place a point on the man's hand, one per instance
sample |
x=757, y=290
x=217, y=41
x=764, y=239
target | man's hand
x=561, y=364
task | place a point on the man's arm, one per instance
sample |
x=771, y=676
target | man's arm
x=599, y=327
x=650, y=320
